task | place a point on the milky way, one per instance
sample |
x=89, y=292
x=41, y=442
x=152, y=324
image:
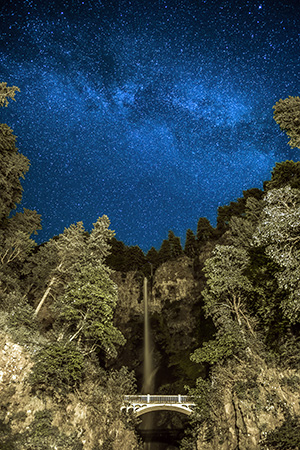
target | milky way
x=153, y=113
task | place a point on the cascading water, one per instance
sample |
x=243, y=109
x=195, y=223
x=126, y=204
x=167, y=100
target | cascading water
x=148, y=376
x=148, y=369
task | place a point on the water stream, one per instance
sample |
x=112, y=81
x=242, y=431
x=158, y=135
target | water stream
x=148, y=375
x=148, y=422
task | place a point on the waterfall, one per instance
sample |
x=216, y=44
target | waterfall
x=147, y=421
x=148, y=369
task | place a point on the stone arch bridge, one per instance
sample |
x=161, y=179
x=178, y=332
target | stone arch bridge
x=142, y=404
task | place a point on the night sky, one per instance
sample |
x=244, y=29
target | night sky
x=151, y=112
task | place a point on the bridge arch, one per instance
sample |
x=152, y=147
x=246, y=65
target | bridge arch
x=142, y=404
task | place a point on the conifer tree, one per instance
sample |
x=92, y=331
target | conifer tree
x=15, y=230
x=152, y=257
x=204, y=230
x=134, y=258
x=283, y=174
x=175, y=245
x=164, y=253
x=287, y=115
x=190, y=247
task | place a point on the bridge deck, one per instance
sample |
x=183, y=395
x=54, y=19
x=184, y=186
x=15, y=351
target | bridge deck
x=159, y=399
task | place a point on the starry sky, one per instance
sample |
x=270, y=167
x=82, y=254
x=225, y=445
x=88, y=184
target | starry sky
x=151, y=112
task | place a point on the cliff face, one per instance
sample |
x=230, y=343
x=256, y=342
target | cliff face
x=86, y=419
x=249, y=410
x=172, y=281
x=177, y=321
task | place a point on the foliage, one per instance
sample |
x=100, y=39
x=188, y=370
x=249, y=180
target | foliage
x=7, y=92
x=42, y=435
x=164, y=253
x=289, y=351
x=85, y=311
x=285, y=437
x=58, y=367
x=15, y=236
x=153, y=258
x=283, y=174
x=287, y=116
x=13, y=166
x=205, y=231
x=235, y=209
x=175, y=245
x=190, y=247
x=218, y=349
x=15, y=230
x=279, y=233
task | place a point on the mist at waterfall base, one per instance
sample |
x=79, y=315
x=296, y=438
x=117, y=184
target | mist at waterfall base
x=154, y=435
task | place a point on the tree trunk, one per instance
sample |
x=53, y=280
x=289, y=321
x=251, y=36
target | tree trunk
x=52, y=281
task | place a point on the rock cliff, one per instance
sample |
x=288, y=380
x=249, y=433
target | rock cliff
x=249, y=406
x=86, y=419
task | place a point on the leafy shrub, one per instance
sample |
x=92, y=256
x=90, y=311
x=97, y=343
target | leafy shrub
x=58, y=366
x=285, y=437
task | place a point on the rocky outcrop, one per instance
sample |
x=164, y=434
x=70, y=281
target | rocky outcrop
x=86, y=419
x=172, y=281
x=250, y=409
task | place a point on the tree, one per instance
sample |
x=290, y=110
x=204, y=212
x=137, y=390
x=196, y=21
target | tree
x=283, y=174
x=204, y=230
x=75, y=248
x=190, y=247
x=85, y=311
x=116, y=259
x=13, y=165
x=152, y=257
x=69, y=248
x=279, y=232
x=134, y=258
x=15, y=242
x=7, y=92
x=235, y=209
x=225, y=300
x=15, y=230
x=287, y=116
x=164, y=253
x=175, y=245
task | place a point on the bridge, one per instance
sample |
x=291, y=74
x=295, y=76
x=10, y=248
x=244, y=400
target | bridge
x=142, y=404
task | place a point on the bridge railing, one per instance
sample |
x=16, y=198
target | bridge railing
x=159, y=399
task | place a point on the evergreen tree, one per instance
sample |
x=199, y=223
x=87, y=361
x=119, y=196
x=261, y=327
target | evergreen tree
x=69, y=248
x=117, y=258
x=7, y=92
x=134, y=258
x=152, y=257
x=175, y=245
x=283, y=174
x=15, y=230
x=205, y=231
x=235, y=209
x=86, y=310
x=13, y=165
x=190, y=247
x=164, y=253
x=287, y=116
